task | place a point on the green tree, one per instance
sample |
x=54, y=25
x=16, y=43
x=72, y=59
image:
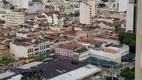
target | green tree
x=129, y=39
x=110, y=78
x=101, y=5
x=71, y=14
x=40, y=57
x=6, y=60
x=128, y=73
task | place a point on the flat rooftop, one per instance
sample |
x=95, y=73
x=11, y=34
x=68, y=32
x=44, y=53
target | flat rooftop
x=4, y=76
x=52, y=69
x=79, y=73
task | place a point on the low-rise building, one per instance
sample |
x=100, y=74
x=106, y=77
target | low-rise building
x=72, y=51
x=4, y=51
x=22, y=49
x=54, y=17
x=30, y=47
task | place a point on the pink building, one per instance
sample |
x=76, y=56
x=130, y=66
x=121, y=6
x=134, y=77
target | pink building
x=72, y=51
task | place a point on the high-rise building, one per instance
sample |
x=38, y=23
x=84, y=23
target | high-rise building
x=121, y=5
x=87, y=12
x=19, y=4
x=138, y=65
x=131, y=16
x=14, y=18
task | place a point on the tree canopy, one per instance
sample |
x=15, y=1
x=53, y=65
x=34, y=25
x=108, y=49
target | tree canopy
x=75, y=14
x=128, y=73
x=101, y=5
x=110, y=78
x=127, y=38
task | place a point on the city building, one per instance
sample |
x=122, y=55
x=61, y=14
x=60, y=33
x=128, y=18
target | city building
x=2, y=15
x=104, y=50
x=4, y=51
x=54, y=17
x=130, y=16
x=79, y=74
x=121, y=5
x=57, y=70
x=87, y=12
x=30, y=47
x=72, y=51
x=14, y=18
x=29, y=16
x=97, y=2
x=19, y=4
x=138, y=65
x=35, y=6
x=9, y=76
x=22, y=49
x=49, y=8
x=43, y=47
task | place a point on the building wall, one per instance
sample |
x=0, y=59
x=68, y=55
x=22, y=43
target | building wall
x=138, y=65
x=93, y=7
x=19, y=3
x=14, y=18
x=49, y=18
x=118, y=60
x=36, y=6
x=84, y=56
x=21, y=35
x=55, y=19
x=130, y=17
x=43, y=48
x=85, y=13
x=22, y=51
x=4, y=51
x=64, y=52
x=121, y=5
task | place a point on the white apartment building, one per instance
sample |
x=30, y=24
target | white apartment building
x=13, y=18
x=20, y=4
x=30, y=48
x=121, y=5
x=130, y=16
x=19, y=49
x=87, y=12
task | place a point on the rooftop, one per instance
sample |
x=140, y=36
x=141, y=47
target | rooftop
x=81, y=50
x=6, y=74
x=70, y=46
x=94, y=42
x=79, y=73
x=53, y=69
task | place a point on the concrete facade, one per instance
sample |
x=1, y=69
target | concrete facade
x=121, y=5
x=85, y=13
x=130, y=17
x=13, y=18
x=138, y=66
x=19, y=3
